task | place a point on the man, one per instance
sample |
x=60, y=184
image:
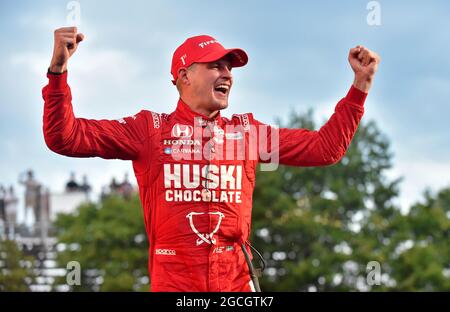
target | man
x=195, y=184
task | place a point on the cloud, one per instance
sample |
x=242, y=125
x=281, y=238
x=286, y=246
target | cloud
x=418, y=176
x=30, y=61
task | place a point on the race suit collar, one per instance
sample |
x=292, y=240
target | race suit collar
x=183, y=111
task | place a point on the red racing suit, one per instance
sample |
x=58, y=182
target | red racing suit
x=197, y=202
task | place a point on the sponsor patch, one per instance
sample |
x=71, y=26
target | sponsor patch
x=156, y=120
x=234, y=136
x=184, y=131
x=166, y=252
x=168, y=151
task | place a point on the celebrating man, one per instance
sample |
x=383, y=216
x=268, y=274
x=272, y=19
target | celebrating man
x=196, y=169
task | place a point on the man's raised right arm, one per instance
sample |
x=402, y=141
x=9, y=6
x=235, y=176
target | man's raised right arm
x=78, y=137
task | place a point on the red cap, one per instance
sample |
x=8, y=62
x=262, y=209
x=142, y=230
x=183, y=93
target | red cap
x=204, y=49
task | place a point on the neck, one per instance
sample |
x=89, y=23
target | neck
x=199, y=109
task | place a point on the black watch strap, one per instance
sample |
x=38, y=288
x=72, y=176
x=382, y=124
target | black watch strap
x=53, y=73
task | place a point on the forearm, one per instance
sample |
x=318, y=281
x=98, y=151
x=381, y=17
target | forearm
x=58, y=119
x=302, y=147
x=337, y=133
x=363, y=83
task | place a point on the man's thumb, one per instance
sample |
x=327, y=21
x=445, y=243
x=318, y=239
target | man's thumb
x=80, y=37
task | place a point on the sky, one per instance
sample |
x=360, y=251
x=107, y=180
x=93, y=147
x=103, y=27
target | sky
x=297, y=60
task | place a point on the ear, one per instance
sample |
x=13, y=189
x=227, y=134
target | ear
x=182, y=74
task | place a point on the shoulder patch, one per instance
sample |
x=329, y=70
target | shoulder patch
x=156, y=120
x=244, y=120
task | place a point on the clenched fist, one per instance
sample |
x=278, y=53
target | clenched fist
x=66, y=43
x=364, y=64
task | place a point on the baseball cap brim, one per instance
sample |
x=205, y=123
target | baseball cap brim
x=238, y=57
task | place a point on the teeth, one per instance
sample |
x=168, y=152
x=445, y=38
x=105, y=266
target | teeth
x=224, y=86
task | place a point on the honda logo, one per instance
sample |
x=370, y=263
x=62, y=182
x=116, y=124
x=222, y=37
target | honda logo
x=182, y=131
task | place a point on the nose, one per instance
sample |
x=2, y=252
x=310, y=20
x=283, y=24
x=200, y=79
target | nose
x=226, y=73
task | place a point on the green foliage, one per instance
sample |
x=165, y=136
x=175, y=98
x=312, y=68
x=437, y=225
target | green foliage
x=109, y=242
x=16, y=271
x=423, y=262
x=319, y=227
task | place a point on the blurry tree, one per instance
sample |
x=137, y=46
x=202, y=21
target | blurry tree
x=308, y=220
x=16, y=269
x=108, y=240
x=419, y=245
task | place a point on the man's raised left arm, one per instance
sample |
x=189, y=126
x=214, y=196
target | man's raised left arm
x=326, y=146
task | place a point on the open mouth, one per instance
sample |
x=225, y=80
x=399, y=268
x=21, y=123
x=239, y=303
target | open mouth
x=222, y=88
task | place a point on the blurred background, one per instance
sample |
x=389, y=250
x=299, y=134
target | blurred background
x=378, y=220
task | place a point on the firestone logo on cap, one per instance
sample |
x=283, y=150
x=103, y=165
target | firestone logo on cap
x=203, y=44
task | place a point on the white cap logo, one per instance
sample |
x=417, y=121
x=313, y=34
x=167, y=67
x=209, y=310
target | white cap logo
x=183, y=59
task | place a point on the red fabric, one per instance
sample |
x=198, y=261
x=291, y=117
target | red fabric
x=194, y=240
